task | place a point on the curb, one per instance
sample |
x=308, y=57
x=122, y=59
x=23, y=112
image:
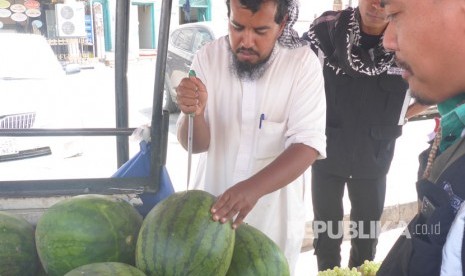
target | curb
x=394, y=216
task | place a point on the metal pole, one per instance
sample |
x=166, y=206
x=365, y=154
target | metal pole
x=159, y=144
x=121, y=81
x=33, y=132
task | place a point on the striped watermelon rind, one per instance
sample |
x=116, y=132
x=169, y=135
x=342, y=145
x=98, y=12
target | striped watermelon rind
x=18, y=255
x=256, y=254
x=106, y=269
x=179, y=237
x=87, y=229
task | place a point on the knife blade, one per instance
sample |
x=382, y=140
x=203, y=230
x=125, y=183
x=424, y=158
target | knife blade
x=190, y=138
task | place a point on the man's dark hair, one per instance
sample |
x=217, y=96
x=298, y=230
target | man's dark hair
x=254, y=6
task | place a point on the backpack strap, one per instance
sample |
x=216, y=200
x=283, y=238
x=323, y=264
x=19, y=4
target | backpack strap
x=445, y=159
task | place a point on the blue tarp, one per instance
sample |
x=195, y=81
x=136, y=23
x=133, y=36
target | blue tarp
x=139, y=166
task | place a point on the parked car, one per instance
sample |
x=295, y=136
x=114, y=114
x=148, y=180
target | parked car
x=184, y=42
x=35, y=91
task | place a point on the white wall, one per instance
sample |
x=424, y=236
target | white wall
x=133, y=46
x=220, y=12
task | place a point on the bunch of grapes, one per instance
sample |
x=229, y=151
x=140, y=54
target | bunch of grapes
x=369, y=268
x=337, y=271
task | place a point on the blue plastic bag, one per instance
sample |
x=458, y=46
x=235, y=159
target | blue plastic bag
x=139, y=166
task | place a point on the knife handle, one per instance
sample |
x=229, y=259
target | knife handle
x=192, y=74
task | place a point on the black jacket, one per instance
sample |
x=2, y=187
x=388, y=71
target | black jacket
x=363, y=107
x=418, y=251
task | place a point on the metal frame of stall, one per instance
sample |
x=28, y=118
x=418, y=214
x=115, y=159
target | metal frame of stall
x=159, y=127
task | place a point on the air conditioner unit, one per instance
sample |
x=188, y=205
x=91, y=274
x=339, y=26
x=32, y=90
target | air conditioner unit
x=70, y=19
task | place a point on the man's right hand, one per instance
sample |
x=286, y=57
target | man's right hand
x=191, y=95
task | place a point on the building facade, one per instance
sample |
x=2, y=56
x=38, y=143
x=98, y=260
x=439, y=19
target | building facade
x=80, y=30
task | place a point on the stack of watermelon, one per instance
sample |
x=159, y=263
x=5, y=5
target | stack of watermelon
x=87, y=229
x=106, y=269
x=178, y=237
x=104, y=235
x=18, y=254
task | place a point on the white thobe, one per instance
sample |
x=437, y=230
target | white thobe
x=290, y=96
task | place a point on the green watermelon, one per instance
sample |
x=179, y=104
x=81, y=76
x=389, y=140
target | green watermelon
x=106, y=269
x=87, y=229
x=179, y=237
x=41, y=271
x=18, y=255
x=256, y=254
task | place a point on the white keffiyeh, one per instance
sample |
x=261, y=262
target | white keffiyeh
x=290, y=38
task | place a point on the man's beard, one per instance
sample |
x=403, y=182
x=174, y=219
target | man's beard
x=248, y=71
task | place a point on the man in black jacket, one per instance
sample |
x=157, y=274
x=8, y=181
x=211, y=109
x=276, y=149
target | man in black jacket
x=428, y=39
x=367, y=103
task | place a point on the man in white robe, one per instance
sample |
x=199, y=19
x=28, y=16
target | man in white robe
x=260, y=107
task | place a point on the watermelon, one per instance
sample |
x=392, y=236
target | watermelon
x=18, y=255
x=106, y=269
x=87, y=229
x=179, y=237
x=256, y=254
x=41, y=271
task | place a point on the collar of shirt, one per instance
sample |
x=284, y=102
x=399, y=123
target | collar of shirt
x=452, y=120
x=450, y=104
